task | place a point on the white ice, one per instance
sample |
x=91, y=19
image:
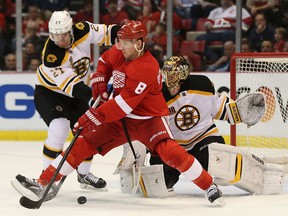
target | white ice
x=25, y=158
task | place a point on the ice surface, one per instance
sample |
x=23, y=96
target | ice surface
x=25, y=158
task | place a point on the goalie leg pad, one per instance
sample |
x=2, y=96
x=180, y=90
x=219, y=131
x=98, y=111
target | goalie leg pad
x=126, y=181
x=273, y=179
x=146, y=180
x=152, y=181
x=233, y=166
x=128, y=158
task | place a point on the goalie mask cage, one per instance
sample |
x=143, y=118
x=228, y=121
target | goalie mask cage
x=266, y=73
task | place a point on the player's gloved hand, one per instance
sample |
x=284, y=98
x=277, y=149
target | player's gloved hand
x=99, y=86
x=88, y=121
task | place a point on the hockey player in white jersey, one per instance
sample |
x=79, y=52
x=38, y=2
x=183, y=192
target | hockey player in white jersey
x=194, y=105
x=63, y=90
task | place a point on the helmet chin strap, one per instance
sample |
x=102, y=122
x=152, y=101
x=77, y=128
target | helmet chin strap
x=139, y=51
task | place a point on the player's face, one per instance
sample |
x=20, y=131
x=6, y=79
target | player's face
x=128, y=48
x=62, y=40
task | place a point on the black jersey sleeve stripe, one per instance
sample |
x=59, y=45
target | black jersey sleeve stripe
x=45, y=79
x=69, y=82
x=222, y=117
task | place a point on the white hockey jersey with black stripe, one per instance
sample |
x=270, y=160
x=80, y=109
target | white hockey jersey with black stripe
x=193, y=110
x=62, y=68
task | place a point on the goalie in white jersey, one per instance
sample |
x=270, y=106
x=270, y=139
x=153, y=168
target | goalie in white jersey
x=62, y=90
x=193, y=105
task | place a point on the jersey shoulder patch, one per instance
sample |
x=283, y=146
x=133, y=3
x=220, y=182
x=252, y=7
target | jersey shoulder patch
x=52, y=54
x=80, y=29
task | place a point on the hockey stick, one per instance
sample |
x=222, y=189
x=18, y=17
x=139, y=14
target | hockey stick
x=51, y=196
x=128, y=138
x=139, y=176
x=30, y=204
x=56, y=190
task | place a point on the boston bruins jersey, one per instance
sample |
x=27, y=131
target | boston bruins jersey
x=61, y=68
x=193, y=110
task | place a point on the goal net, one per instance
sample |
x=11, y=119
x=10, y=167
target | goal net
x=266, y=73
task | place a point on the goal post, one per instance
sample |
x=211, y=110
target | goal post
x=266, y=73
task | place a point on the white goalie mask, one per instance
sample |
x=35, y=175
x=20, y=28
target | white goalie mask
x=174, y=70
x=60, y=28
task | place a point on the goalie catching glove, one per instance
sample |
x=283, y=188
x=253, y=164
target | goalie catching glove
x=88, y=121
x=249, y=109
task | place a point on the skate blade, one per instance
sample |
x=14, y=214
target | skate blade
x=89, y=187
x=219, y=202
x=23, y=191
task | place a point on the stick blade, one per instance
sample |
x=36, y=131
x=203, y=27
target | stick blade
x=30, y=204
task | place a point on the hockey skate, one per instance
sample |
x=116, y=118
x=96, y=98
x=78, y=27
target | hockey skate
x=31, y=188
x=214, y=195
x=91, y=182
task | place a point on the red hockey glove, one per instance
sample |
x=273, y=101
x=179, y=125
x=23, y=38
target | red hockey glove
x=88, y=121
x=99, y=86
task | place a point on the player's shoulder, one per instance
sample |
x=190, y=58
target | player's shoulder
x=80, y=29
x=199, y=83
x=148, y=62
x=52, y=54
x=146, y=67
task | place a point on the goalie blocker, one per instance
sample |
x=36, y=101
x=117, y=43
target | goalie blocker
x=231, y=165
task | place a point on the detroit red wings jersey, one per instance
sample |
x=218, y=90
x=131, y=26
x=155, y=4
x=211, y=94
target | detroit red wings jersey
x=193, y=110
x=224, y=19
x=61, y=69
x=137, y=86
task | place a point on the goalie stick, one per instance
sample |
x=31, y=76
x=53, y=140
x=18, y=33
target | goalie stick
x=30, y=204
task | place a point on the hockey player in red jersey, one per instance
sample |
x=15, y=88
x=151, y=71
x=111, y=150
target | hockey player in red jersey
x=137, y=99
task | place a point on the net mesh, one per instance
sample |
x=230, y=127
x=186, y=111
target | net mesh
x=268, y=138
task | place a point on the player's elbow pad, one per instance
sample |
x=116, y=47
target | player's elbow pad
x=82, y=91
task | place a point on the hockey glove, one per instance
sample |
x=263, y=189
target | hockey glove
x=88, y=121
x=99, y=86
x=248, y=109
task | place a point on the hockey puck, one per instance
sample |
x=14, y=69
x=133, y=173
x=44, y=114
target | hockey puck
x=82, y=200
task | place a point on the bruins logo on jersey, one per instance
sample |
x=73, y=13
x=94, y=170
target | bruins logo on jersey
x=81, y=66
x=187, y=117
x=80, y=26
x=51, y=58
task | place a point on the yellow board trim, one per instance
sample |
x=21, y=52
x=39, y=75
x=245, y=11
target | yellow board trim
x=26, y=135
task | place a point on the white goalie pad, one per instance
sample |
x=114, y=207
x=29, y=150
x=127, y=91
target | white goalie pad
x=232, y=165
x=128, y=159
x=248, y=109
x=146, y=180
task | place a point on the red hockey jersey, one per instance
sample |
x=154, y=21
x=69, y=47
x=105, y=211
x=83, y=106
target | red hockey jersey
x=137, y=85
